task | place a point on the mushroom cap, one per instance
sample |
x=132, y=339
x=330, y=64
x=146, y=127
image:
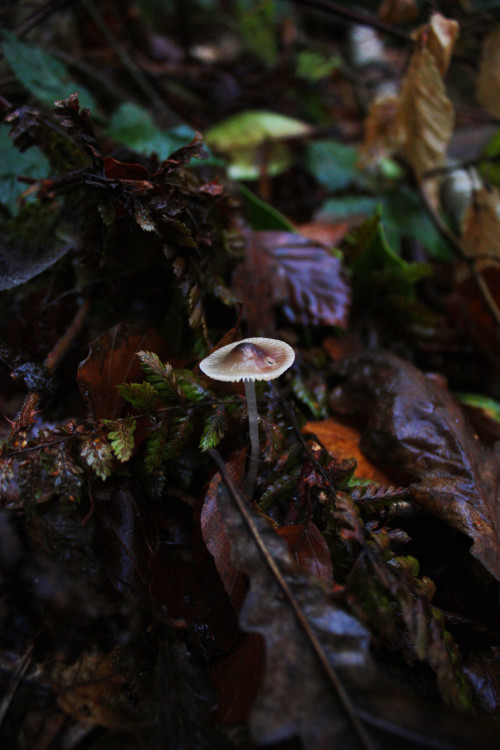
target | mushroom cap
x=250, y=359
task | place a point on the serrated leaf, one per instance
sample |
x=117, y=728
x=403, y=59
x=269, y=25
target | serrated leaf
x=155, y=444
x=97, y=454
x=192, y=388
x=6, y=473
x=67, y=475
x=122, y=436
x=142, y=396
x=214, y=429
x=162, y=378
x=45, y=77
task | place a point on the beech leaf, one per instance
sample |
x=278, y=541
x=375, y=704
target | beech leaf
x=416, y=429
x=288, y=270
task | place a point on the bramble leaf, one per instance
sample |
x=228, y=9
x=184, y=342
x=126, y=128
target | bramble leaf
x=162, y=378
x=98, y=455
x=214, y=429
x=122, y=436
x=142, y=396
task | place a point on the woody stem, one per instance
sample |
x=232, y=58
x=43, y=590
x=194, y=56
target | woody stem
x=253, y=427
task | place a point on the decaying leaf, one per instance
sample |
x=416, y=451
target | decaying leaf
x=382, y=135
x=488, y=79
x=481, y=227
x=425, y=115
x=295, y=697
x=282, y=268
x=418, y=431
x=111, y=361
x=342, y=442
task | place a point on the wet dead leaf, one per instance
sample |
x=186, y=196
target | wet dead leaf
x=111, y=361
x=481, y=227
x=415, y=427
x=288, y=270
x=342, y=442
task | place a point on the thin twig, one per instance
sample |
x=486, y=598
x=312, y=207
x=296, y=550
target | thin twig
x=127, y=62
x=304, y=623
x=458, y=248
x=454, y=167
x=354, y=16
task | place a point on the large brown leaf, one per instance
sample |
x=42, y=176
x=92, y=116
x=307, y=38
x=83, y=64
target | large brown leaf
x=111, y=361
x=300, y=275
x=295, y=698
x=416, y=429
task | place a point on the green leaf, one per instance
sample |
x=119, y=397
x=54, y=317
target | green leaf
x=162, y=378
x=240, y=137
x=487, y=405
x=214, y=429
x=346, y=207
x=142, y=396
x=333, y=164
x=45, y=77
x=98, y=455
x=134, y=127
x=313, y=65
x=31, y=163
x=155, y=444
x=192, y=388
x=122, y=436
x=261, y=215
x=315, y=402
x=373, y=260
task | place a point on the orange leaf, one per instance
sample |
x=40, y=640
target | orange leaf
x=342, y=442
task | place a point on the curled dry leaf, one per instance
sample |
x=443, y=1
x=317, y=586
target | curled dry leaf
x=425, y=115
x=420, y=120
x=481, y=227
x=415, y=427
x=488, y=79
x=440, y=37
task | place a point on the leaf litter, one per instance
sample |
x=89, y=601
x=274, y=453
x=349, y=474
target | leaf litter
x=355, y=602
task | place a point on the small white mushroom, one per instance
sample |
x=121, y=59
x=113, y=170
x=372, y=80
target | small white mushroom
x=249, y=360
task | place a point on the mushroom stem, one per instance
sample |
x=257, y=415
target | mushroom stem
x=253, y=428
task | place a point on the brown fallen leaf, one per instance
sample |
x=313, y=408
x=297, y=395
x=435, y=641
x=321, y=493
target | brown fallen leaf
x=283, y=269
x=309, y=548
x=111, y=361
x=342, y=442
x=481, y=228
x=296, y=698
x=488, y=78
x=415, y=427
x=425, y=115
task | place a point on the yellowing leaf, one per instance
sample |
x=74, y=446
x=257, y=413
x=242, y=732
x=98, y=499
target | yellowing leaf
x=382, y=135
x=488, y=80
x=440, y=38
x=425, y=114
x=481, y=227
